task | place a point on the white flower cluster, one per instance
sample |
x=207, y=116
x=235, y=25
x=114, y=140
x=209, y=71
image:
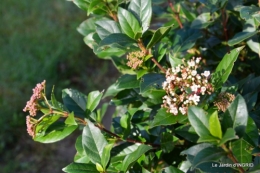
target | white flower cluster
x=184, y=86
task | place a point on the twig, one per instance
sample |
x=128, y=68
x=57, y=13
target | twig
x=176, y=14
x=224, y=22
x=232, y=157
x=158, y=65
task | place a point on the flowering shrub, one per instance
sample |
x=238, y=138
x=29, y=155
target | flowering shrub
x=174, y=112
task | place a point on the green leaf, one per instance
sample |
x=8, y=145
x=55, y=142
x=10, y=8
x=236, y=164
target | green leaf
x=202, y=21
x=240, y=149
x=187, y=132
x=158, y=35
x=82, y=4
x=99, y=167
x=241, y=36
x=151, y=81
x=174, y=61
x=88, y=26
x=215, y=167
x=56, y=132
x=121, y=151
x=230, y=134
x=94, y=98
x=162, y=118
x=127, y=82
x=106, y=27
x=106, y=155
x=70, y=120
x=45, y=122
x=199, y=121
x=75, y=102
x=129, y=23
x=118, y=40
x=93, y=142
x=248, y=12
x=167, y=142
x=254, y=44
x=225, y=67
x=125, y=121
x=207, y=155
x=209, y=139
x=184, y=40
x=80, y=168
x=132, y=157
x=214, y=125
x=251, y=133
x=236, y=116
x=142, y=9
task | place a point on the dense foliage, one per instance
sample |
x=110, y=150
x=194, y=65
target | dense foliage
x=187, y=100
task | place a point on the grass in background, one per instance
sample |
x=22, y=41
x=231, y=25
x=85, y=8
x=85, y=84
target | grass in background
x=38, y=40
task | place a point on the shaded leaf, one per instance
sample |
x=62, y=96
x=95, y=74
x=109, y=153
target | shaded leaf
x=202, y=21
x=132, y=157
x=158, y=35
x=239, y=37
x=127, y=82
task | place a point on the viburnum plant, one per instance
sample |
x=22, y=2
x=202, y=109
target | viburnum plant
x=187, y=99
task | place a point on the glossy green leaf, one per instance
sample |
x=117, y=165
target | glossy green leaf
x=158, y=35
x=45, y=122
x=236, y=116
x=241, y=36
x=132, y=157
x=127, y=82
x=106, y=155
x=215, y=167
x=207, y=155
x=129, y=24
x=225, y=67
x=202, y=21
x=247, y=12
x=125, y=121
x=56, y=132
x=174, y=61
x=142, y=9
x=118, y=40
x=251, y=133
x=70, y=120
x=83, y=4
x=199, y=121
x=94, y=98
x=162, y=118
x=230, y=134
x=80, y=168
x=121, y=151
x=106, y=27
x=75, y=102
x=93, y=142
x=254, y=44
x=95, y=5
x=241, y=150
x=209, y=139
x=214, y=125
x=88, y=26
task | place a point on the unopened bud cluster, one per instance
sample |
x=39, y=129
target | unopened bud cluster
x=184, y=86
x=223, y=101
x=135, y=59
x=32, y=107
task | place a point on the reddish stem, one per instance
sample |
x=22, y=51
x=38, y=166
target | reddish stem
x=224, y=22
x=176, y=14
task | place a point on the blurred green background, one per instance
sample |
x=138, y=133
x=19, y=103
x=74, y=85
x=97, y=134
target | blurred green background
x=38, y=40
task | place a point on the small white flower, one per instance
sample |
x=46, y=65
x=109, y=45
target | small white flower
x=194, y=88
x=174, y=110
x=203, y=89
x=195, y=98
x=198, y=60
x=194, y=72
x=191, y=63
x=206, y=73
